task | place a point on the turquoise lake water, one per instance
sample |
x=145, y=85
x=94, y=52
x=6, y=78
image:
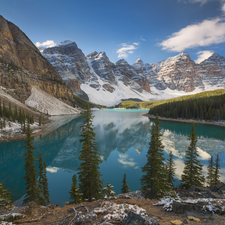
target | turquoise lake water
x=123, y=139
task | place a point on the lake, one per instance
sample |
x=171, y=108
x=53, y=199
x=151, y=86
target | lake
x=123, y=138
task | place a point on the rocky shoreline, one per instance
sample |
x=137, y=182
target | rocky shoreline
x=199, y=205
x=186, y=121
x=51, y=124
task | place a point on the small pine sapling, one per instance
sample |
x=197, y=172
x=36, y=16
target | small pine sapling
x=108, y=191
x=125, y=186
x=75, y=194
x=5, y=200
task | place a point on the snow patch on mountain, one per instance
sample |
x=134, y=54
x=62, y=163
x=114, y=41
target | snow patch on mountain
x=48, y=104
x=106, y=98
x=108, y=83
x=67, y=42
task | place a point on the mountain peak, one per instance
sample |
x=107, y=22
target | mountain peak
x=139, y=61
x=184, y=54
x=121, y=62
x=96, y=55
x=66, y=42
x=214, y=58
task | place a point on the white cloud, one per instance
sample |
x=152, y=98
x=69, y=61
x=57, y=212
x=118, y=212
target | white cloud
x=179, y=168
x=126, y=49
x=205, y=33
x=199, y=1
x=143, y=39
x=46, y=44
x=223, y=7
x=123, y=159
x=202, y=2
x=52, y=169
x=202, y=55
x=203, y=155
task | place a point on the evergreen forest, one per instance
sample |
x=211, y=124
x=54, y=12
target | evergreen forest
x=206, y=108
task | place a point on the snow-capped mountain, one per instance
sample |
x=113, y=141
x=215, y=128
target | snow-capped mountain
x=95, y=78
x=94, y=75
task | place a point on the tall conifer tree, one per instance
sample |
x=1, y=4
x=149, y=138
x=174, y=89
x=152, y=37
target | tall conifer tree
x=170, y=169
x=40, y=181
x=45, y=186
x=217, y=173
x=89, y=175
x=154, y=182
x=1, y=107
x=192, y=174
x=32, y=190
x=210, y=175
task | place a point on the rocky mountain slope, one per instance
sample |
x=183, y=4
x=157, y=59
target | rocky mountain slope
x=23, y=66
x=103, y=82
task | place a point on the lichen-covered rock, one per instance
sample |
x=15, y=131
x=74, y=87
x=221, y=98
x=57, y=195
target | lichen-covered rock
x=182, y=207
x=134, y=219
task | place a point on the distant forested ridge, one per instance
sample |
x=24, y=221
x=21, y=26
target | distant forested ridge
x=205, y=106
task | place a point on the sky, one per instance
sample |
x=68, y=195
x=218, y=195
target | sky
x=124, y=29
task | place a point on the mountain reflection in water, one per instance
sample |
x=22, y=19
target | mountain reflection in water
x=123, y=139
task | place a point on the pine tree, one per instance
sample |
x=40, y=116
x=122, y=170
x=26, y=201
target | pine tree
x=155, y=182
x=89, y=175
x=32, y=190
x=75, y=194
x=125, y=186
x=5, y=199
x=15, y=113
x=192, y=174
x=210, y=175
x=10, y=111
x=217, y=173
x=39, y=120
x=170, y=169
x=0, y=107
x=24, y=125
x=20, y=120
x=40, y=181
x=108, y=191
x=45, y=186
x=4, y=109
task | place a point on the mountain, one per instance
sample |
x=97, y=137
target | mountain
x=95, y=78
x=23, y=67
x=213, y=71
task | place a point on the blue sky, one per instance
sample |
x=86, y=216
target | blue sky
x=129, y=29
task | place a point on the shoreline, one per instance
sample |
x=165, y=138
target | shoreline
x=17, y=137
x=52, y=124
x=185, y=121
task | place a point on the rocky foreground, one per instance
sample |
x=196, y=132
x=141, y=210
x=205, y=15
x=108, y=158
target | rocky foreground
x=194, y=206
